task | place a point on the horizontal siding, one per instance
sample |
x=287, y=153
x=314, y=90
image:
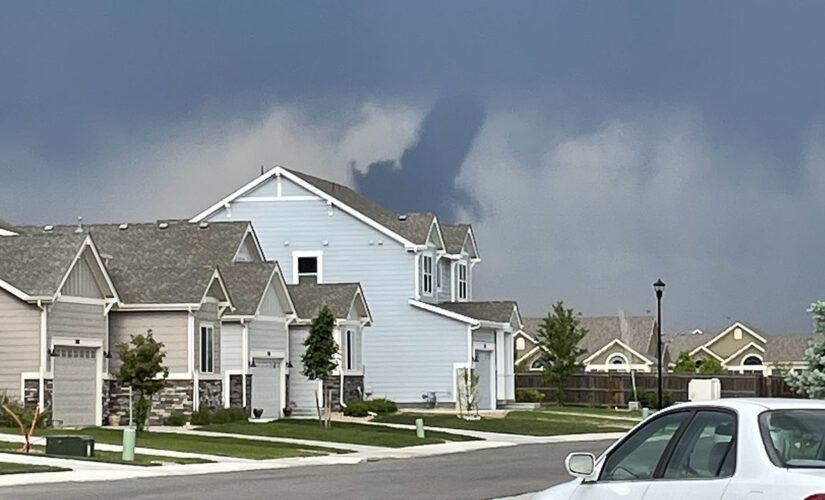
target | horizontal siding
x=268, y=335
x=170, y=328
x=19, y=342
x=407, y=351
x=484, y=335
x=76, y=321
x=232, y=346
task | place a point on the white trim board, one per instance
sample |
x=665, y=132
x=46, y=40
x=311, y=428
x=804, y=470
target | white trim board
x=443, y=312
x=625, y=346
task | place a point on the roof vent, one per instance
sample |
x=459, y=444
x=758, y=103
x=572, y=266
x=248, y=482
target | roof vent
x=79, y=225
x=123, y=226
x=163, y=225
x=48, y=228
x=203, y=225
x=402, y=217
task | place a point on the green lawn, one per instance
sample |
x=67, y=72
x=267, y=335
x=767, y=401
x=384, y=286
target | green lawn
x=106, y=456
x=341, y=432
x=223, y=446
x=534, y=423
x=8, y=468
x=608, y=412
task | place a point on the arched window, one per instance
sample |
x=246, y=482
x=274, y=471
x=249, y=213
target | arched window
x=698, y=363
x=752, y=361
x=538, y=364
x=617, y=359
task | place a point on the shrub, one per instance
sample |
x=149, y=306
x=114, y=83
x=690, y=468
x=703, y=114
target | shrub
x=176, y=419
x=26, y=415
x=227, y=415
x=529, y=396
x=650, y=399
x=381, y=405
x=202, y=417
x=356, y=409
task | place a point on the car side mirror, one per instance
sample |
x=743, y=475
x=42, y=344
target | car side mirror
x=580, y=464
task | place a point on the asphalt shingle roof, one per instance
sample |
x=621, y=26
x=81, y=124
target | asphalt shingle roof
x=454, y=236
x=601, y=330
x=310, y=298
x=498, y=311
x=787, y=347
x=247, y=282
x=153, y=265
x=36, y=264
x=413, y=226
x=5, y=225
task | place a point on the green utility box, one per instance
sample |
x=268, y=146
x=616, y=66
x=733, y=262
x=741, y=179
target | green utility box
x=71, y=446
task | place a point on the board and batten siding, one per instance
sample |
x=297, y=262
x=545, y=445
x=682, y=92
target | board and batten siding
x=19, y=342
x=170, y=328
x=81, y=282
x=231, y=346
x=407, y=351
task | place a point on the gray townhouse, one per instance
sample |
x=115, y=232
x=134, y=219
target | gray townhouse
x=416, y=272
x=70, y=294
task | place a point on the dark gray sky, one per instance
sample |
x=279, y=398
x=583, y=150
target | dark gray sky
x=595, y=146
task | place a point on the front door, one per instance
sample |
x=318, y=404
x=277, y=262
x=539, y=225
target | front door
x=483, y=366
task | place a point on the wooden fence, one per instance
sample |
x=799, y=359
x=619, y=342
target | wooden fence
x=614, y=389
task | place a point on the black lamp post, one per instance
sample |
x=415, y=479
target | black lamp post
x=659, y=288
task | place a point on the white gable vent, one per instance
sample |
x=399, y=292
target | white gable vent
x=123, y=227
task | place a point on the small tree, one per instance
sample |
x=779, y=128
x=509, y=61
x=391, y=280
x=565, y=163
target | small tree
x=319, y=357
x=142, y=362
x=467, y=391
x=559, y=336
x=684, y=363
x=711, y=365
x=811, y=382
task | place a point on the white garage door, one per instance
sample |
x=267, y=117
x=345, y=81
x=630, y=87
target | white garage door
x=301, y=389
x=266, y=387
x=75, y=388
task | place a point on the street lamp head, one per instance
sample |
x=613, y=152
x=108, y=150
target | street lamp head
x=659, y=287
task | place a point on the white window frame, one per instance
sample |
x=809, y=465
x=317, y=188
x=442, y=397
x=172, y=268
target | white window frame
x=520, y=344
x=427, y=275
x=319, y=256
x=439, y=279
x=350, y=343
x=463, y=283
x=207, y=365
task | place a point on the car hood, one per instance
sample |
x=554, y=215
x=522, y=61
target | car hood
x=561, y=491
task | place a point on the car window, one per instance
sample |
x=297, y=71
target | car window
x=794, y=438
x=704, y=448
x=638, y=456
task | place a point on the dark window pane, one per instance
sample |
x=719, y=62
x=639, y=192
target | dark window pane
x=639, y=455
x=704, y=447
x=307, y=265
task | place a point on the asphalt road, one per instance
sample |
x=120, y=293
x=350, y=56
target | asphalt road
x=478, y=475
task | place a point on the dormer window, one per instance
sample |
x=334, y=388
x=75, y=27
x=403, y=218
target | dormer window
x=427, y=267
x=462, y=281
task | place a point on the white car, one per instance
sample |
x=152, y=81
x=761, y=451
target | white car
x=728, y=449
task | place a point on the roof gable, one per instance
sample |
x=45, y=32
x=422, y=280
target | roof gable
x=310, y=298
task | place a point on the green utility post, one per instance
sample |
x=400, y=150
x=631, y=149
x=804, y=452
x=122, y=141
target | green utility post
x=129, y=444
x=419, y=428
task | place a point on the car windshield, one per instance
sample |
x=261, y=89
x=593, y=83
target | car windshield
x=794, y=438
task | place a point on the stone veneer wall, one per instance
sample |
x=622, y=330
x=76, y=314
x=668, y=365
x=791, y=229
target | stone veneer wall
x=353, y=388
x=236, y=391
x=175, y=397
x=31, y=393
x=211, y=393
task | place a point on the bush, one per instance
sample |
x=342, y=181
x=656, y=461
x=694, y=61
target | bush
x=227, y=415
x=356, y=409
x=26, y=415
x=529, y=396
x=176, y=419
x=363, y=408
x=202, y=417
x=650, y=399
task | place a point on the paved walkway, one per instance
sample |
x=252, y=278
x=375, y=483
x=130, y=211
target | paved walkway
x=511, y=438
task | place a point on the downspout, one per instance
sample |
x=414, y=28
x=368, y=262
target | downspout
x=193, y=370
x=244, y=359
x=341, y=369
x=44, y=324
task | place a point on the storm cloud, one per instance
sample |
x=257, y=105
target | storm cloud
x=594, y=146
